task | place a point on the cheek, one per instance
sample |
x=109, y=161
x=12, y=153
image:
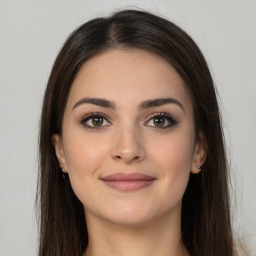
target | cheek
x=83, y=152
x=174, y=152
x=84, y=156
x=173, y=160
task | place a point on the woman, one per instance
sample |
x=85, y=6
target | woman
x=131, y=145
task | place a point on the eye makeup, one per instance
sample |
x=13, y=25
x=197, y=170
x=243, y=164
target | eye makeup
x=95, y=121
x=160, y=120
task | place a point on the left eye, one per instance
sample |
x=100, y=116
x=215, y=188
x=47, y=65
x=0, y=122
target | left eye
x=161, y=121
x=95, y=121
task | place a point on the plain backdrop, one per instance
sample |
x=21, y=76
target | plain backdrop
x=31, y=34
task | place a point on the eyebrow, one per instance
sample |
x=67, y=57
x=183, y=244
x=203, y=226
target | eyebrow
x=160, y=102
x=95, y=101
x=144, y=105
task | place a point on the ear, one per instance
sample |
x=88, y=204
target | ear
x=199, y=155
x=58, y=146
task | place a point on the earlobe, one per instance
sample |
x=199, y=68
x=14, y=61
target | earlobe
x=199, y=155
x=58, y=146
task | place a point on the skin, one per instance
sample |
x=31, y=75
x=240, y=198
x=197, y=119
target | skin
x=130, y=140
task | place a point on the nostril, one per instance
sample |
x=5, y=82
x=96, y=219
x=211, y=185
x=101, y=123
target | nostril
x=120, y=157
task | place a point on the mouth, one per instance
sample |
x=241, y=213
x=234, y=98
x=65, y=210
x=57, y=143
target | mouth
x=128, y=182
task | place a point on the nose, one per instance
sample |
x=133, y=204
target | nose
x=128, y=146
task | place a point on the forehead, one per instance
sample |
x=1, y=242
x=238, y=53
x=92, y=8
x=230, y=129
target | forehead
x=128, y=75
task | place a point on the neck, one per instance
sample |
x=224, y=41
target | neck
x=157, y=238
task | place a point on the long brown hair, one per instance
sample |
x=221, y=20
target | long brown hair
x=206, y=224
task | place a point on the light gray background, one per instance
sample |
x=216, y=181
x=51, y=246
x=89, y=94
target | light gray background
x=31, y=34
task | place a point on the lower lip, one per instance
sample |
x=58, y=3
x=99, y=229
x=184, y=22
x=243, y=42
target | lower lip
x=128, y=186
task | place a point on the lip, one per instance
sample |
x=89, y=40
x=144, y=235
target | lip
x=128, y=182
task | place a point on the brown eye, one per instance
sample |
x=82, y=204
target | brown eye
x=159, y=121
x=94, y=121
x=97, y=121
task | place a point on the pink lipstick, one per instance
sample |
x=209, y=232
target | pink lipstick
x=128, y=181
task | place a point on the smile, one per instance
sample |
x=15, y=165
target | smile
x=128, y=182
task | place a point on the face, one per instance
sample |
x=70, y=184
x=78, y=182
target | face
x=128, y=142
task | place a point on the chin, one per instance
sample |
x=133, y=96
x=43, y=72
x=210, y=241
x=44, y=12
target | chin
x=132, y=214
x=131, y=220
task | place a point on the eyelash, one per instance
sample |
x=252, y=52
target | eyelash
x=91, y=116
x=167, y=117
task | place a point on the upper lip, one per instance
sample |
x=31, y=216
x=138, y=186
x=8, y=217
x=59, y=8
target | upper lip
x=120, y=176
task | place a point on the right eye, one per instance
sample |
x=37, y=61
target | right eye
x=161, y=121
x=95, y=121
